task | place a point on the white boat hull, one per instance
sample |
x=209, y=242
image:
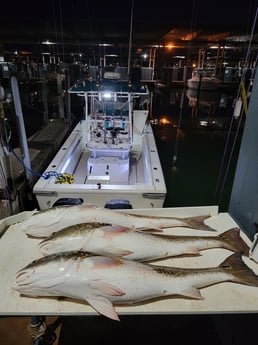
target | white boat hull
x=205, y=83
x=144, y=188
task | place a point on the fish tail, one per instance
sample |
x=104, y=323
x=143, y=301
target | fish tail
x=233, y=241
x=197, y=222
x=240, y=272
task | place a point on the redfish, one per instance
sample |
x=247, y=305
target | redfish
x=104, y=282
x=44, y=223
x=136, y=245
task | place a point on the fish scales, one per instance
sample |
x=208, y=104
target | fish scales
x=137, y=245
x=105, y=282
x=44, y=223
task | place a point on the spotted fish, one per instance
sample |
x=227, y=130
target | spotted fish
x=103, y=282
x=136, y=245
x=44, y=223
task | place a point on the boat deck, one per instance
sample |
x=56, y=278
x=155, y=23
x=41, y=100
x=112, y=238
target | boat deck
x=141, y=182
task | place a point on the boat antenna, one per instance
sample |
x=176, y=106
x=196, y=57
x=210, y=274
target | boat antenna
x=179, y=130
x=130, y=41
x=62, y=29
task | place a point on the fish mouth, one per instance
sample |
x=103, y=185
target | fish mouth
x=46, y=247
x=43, y=245
x=23, y=278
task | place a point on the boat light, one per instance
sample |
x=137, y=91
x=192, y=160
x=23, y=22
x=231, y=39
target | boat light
x=107, y=95
x=47, y=42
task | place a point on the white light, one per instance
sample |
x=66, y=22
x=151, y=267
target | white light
x=221, y=47
x=48, y=42
x=179, y=57
x=107, y=95
x=105, y=45
x=66, y=165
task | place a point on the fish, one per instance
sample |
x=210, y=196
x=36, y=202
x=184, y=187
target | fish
x=137, y=245
x=44, y=223
x=105, y=282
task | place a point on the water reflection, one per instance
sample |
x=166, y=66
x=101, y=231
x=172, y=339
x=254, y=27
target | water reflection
x=195, y=135
x=211, y=109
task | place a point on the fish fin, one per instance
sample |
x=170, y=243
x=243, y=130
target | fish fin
x=192, y=293
x=197, y=222
x=105, y=288
x=107, y=262
x=193, y=251
x=233, y=241
x=113, y=230
x=119, y=252
x=240, y=272
x=103, y=306
x=101, y=303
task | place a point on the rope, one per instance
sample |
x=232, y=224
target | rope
x=61, y=178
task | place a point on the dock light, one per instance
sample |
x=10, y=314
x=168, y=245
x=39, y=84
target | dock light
x=169, y=46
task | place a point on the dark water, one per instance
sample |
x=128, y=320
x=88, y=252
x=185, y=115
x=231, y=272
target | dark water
x=198, y=145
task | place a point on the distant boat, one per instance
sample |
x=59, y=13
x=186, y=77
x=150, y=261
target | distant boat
x=201, y=97
x=203, y=80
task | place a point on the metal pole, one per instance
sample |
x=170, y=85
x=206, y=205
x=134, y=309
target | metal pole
x=130, y=41
x=21, y=130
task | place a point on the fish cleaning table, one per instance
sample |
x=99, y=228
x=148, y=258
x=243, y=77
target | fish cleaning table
x=17, y=250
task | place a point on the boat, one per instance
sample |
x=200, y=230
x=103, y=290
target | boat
x=110, y=159
x=201, y=97
x=203, y=80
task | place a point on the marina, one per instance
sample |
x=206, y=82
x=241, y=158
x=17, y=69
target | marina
x=115, y=112
x=187, y=128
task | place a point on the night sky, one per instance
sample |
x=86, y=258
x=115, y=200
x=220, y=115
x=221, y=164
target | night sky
x=110, y=20
x=207, y=12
